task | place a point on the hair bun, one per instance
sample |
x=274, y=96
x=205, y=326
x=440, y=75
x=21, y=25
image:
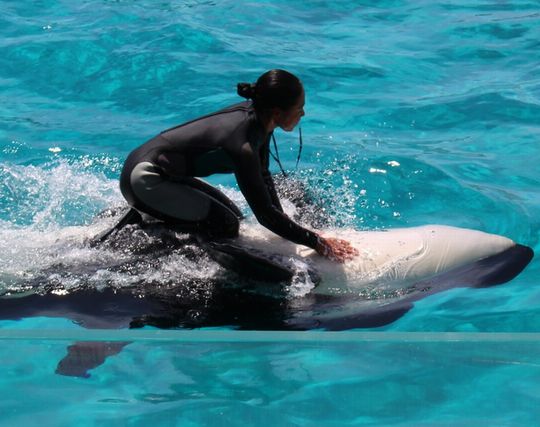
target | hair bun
x=246, y=90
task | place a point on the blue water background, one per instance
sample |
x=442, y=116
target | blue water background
x=447, y=92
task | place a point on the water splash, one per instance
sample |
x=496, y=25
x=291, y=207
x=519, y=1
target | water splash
x=56, y=194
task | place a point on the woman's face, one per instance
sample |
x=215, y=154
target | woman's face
x=288, y=119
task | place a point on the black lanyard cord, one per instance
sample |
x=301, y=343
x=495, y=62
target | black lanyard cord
x=300, y=148
x=276, y=156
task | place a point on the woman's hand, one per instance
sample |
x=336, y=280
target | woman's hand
x=336, y=249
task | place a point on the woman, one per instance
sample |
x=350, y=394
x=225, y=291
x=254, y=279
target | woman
x=161, y=178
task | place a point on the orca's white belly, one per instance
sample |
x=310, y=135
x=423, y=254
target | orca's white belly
x=390, y=258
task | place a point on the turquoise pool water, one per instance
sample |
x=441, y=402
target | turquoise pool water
x=450, y=91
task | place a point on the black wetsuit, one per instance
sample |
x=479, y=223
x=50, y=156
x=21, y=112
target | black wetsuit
x=231, y=140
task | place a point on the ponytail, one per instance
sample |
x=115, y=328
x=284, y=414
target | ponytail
x=246, y=90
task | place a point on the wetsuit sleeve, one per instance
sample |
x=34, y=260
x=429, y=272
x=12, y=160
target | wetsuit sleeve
x=249, y=175
x=264, y=154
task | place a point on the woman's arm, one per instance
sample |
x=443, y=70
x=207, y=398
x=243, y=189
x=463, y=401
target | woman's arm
x=249, y=176
x=251, y=182
x=264, y=154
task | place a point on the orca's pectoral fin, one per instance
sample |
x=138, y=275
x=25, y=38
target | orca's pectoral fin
x=84, y=356
x=247, y=263
x=131, y=216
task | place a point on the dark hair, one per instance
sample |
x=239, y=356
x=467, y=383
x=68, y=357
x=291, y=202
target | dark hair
x=275, y=88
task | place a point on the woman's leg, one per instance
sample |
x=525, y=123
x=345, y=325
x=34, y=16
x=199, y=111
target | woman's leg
x=189, y=204
x=214, y=193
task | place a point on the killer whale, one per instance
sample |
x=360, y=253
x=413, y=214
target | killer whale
x=395, y=268
x=242, y=307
